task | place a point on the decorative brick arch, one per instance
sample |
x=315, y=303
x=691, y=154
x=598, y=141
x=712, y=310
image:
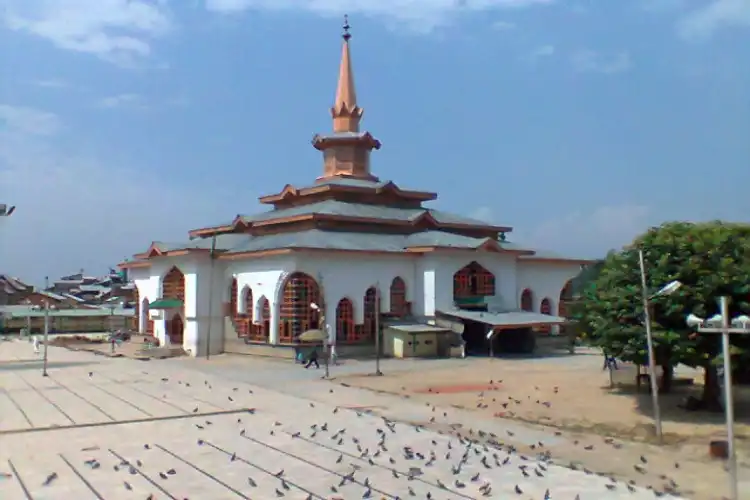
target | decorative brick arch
x=366, y=331
x=345, y=327
x=295, y=314
x=173, y=287
x=473, y=281
x=545, y=307
x=399, y=305
x=261, y=328
x=233, y=294
x=527, y=300
x=145, y=312
x=243, y=316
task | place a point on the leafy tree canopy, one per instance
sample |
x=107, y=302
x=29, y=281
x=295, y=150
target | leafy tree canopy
x=710, y=259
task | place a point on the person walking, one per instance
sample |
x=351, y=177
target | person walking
x=313, y=359
x=35, y=342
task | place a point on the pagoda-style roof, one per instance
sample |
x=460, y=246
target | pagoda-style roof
x=348, y=209
x=324, y=141
x=232, y=246
x=387, y=192
x=360, y=213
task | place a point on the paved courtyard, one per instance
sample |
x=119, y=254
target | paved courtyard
x=101, y=428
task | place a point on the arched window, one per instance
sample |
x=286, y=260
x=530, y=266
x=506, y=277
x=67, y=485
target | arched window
x=296, y=316
x=545, y=308
x=345, y=331
x=261, y=331
x=399, y=306
x=244, y=321
x=473, y=281
x=527, y=300
x=233, y=294
x=173, y=285
x=566, y=296
x=367, y=330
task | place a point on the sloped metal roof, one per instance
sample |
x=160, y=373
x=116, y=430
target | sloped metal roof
x=335, y=207
x=335, y=240
x=509, y=318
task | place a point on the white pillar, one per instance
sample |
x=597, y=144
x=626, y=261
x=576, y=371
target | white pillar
x=273, y=335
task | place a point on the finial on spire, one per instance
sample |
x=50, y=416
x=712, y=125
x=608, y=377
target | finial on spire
x=346, y=36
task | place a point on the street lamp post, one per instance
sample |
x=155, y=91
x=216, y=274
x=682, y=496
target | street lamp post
x=324, y=327
x=721, y=323
x=666, y=290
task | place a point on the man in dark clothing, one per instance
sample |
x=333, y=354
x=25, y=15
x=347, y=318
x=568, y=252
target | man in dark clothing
x=313, y=359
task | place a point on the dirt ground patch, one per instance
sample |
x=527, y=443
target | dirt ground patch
x=573, y=395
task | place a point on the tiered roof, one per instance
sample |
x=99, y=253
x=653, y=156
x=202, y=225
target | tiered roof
x=347, y=209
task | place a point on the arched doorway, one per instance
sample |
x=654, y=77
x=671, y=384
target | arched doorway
x=295, y=315
x=147, y=324
x=471, y=284
x=176, y=329
x=366, y=331
x=566, y=297
x=261, y=330
x=173, y=287
x=527, y=300
x=399, y=306
x=545, y=308
x=345, y=329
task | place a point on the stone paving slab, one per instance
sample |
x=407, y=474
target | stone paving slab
x=175, y=434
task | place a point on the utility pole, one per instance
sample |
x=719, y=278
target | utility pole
x=651, y=353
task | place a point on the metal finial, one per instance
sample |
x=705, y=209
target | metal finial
x=346, y=36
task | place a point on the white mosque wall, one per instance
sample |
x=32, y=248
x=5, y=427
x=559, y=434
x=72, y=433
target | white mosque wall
x=545, y=280
x=428, y=279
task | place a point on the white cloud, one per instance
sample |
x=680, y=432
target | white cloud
x=503, y=26
x=82, y=211
x=52, y=83
x=427, y=13
x=585, y=234
x=484, y=214
x=590, y=61
x=542, y=51
x=130, y=101
x=23, y=120
x=590, y=233
x=713, y=15
x=115, y=30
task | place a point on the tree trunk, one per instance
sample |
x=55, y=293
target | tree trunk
x=667, y=378
x=710, y=398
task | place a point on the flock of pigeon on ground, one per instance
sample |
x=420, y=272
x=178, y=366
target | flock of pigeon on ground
x=472, y=459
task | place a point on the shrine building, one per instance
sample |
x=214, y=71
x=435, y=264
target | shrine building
x=340, y=251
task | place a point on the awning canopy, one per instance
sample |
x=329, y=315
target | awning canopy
x=512, y=319
x=165, y=304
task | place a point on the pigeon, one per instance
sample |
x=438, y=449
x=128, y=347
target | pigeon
x=50, y=479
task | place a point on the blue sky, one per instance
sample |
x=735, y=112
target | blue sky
x=580, y=123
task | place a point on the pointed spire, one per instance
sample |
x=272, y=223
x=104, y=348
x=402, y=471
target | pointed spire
x=345, y=112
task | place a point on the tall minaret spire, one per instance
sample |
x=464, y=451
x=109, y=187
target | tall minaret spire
x=346, y=152
x=345, y=112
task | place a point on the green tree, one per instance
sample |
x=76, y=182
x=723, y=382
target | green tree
x=710, y=259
